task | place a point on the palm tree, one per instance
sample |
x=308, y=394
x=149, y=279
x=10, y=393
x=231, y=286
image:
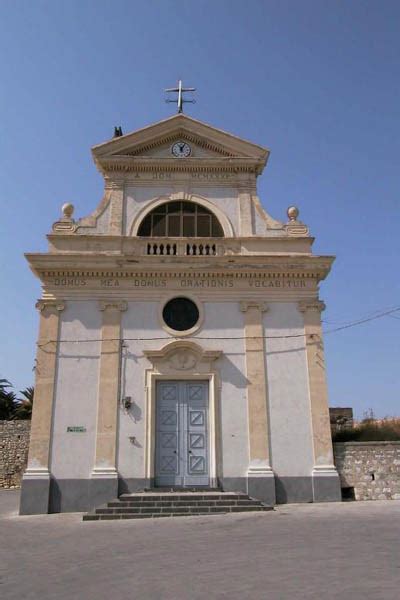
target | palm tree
x=8, y=401
x=23, y=409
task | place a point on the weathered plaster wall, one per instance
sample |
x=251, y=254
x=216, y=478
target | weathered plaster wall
x=371, y=468
x=289, y=403
x=14, y=445
x=76, y=392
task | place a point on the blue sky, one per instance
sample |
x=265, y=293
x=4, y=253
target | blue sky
x=317, y=82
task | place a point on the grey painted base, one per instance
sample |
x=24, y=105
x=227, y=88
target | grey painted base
x=78, y=495
x=40, y=496
x=262, y=488
x=102, y=491
x=293, y=489
x=233, y=484
x=327, y=488
x=66, y=495
x=34, y=497
x=131, y=485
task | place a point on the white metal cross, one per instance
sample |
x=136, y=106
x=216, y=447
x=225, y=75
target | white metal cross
x=180, y=100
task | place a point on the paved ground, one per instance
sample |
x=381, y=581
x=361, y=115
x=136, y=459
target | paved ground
x=312, y=551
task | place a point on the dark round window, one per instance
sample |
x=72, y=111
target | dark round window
x=180, y=314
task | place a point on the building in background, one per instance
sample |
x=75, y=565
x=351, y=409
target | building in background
x=180, y=340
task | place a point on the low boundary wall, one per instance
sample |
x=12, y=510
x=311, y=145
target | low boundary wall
x=369, y=470
x=14, y=445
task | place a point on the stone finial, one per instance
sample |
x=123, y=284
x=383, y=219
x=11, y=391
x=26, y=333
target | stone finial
x=294, y=227
x=66, y=224
x=293, y=213
x=67, y=210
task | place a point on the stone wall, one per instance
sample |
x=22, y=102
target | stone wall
x=14, y=445
x=372, y=469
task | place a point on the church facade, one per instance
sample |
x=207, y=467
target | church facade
x=180, y=341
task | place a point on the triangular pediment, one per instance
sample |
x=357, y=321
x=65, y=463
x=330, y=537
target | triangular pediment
x=156, y=141
x=163, y=148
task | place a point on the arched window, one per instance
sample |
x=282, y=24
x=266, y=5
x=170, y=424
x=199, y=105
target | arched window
x=180, y=219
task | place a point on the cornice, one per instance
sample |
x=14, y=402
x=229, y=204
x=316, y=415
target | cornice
x=110, y=164
x=61, y=266
x=243, y=263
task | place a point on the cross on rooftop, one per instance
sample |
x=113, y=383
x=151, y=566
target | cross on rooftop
x=180, y=100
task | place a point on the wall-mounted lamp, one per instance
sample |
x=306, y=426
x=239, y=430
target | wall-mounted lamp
x=132, y=439
x=127, y=402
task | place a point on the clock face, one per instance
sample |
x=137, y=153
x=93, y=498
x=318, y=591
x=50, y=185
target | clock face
x=181, y=150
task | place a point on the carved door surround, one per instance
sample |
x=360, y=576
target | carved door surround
x=183, y=360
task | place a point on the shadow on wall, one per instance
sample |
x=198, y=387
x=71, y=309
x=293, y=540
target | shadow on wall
x=230, y=373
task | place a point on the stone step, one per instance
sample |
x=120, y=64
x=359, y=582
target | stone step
x=187, y=497
x=116, y=513
x=95, y=517
x=176, y=509
x=101, y=515
x=171, y=504
x=214, y=502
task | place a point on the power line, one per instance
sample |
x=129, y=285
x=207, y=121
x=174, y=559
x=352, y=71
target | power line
x=230, y=338
x=365, y=320
x=366, y=316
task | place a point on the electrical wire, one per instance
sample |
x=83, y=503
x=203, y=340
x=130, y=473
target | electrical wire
x=229, y=338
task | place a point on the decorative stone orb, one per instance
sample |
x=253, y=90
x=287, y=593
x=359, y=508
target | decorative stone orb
x=293, y=213
x=67, y=210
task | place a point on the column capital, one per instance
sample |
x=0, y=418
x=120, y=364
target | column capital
x=44, y=304
x=120, y=305
x=246, y=304
x=313, y=304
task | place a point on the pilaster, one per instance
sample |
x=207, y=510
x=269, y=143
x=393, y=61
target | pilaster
x=104, y=478
x=116, y=207
x=245, y=209
x=261, y=482
x=325, y=478
x=36, y=479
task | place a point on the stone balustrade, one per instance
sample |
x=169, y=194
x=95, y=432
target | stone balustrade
x=182, y=247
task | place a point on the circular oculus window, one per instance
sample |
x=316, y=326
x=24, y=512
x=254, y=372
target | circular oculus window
x=180, y=314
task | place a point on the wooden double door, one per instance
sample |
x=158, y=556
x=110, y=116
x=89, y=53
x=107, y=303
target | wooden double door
x=182, y=456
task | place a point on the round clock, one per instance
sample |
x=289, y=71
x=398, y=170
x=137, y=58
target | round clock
x=181, y=150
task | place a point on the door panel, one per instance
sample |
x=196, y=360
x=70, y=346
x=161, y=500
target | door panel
x=167, y=439
x=182, y=434
x=197, y=442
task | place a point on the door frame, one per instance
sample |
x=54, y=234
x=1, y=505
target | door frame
x=167, y=367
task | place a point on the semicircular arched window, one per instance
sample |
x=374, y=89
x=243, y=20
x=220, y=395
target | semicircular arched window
x=180, y=219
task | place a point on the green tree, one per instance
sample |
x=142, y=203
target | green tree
x=23, y=409
x=8, y=401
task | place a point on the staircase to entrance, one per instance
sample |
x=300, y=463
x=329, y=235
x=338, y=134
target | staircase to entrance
x=157, y=504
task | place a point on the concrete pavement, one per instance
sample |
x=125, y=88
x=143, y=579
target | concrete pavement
x=312, y=551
